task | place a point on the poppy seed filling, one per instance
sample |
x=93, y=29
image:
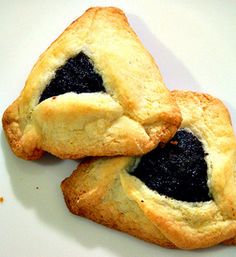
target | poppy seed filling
x=76, y=75
x=177, y=170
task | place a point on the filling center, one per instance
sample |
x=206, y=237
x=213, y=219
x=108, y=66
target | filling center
x=177, y=170
x=76, y=75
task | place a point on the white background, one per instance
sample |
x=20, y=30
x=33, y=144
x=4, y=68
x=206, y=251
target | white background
x=194, y=44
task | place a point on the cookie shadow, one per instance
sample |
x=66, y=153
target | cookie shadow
x=174, y=73
x=36, y=184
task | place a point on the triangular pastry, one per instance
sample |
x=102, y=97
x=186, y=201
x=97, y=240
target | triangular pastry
x=95, y=91
x=182, y=194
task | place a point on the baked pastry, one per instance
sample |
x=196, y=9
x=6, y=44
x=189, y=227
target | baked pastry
x=179, y=195
x=95, y=91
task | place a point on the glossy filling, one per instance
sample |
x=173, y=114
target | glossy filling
x=177, y=170
x=76, y=75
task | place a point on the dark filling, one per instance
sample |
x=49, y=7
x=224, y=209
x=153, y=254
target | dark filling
x=177, y=170
x=77, y=75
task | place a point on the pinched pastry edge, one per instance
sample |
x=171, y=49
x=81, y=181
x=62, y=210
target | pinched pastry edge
x=135, y=114
x=103, y=190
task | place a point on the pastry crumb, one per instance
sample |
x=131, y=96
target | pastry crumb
x=1, y=199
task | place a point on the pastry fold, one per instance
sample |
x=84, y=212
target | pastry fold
x=134, y=114
x=104, y=190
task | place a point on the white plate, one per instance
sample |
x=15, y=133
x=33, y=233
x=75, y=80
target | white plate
x=193, y=43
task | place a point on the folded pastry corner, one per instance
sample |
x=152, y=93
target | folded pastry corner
x=95, y=91
x=182, y=194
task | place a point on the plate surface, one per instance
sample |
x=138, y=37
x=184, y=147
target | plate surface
x=193, y=43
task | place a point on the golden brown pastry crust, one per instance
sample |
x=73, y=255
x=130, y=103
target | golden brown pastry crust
x=94, y=191
x=105, y=192
x=136, y=114
x=231, y=241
